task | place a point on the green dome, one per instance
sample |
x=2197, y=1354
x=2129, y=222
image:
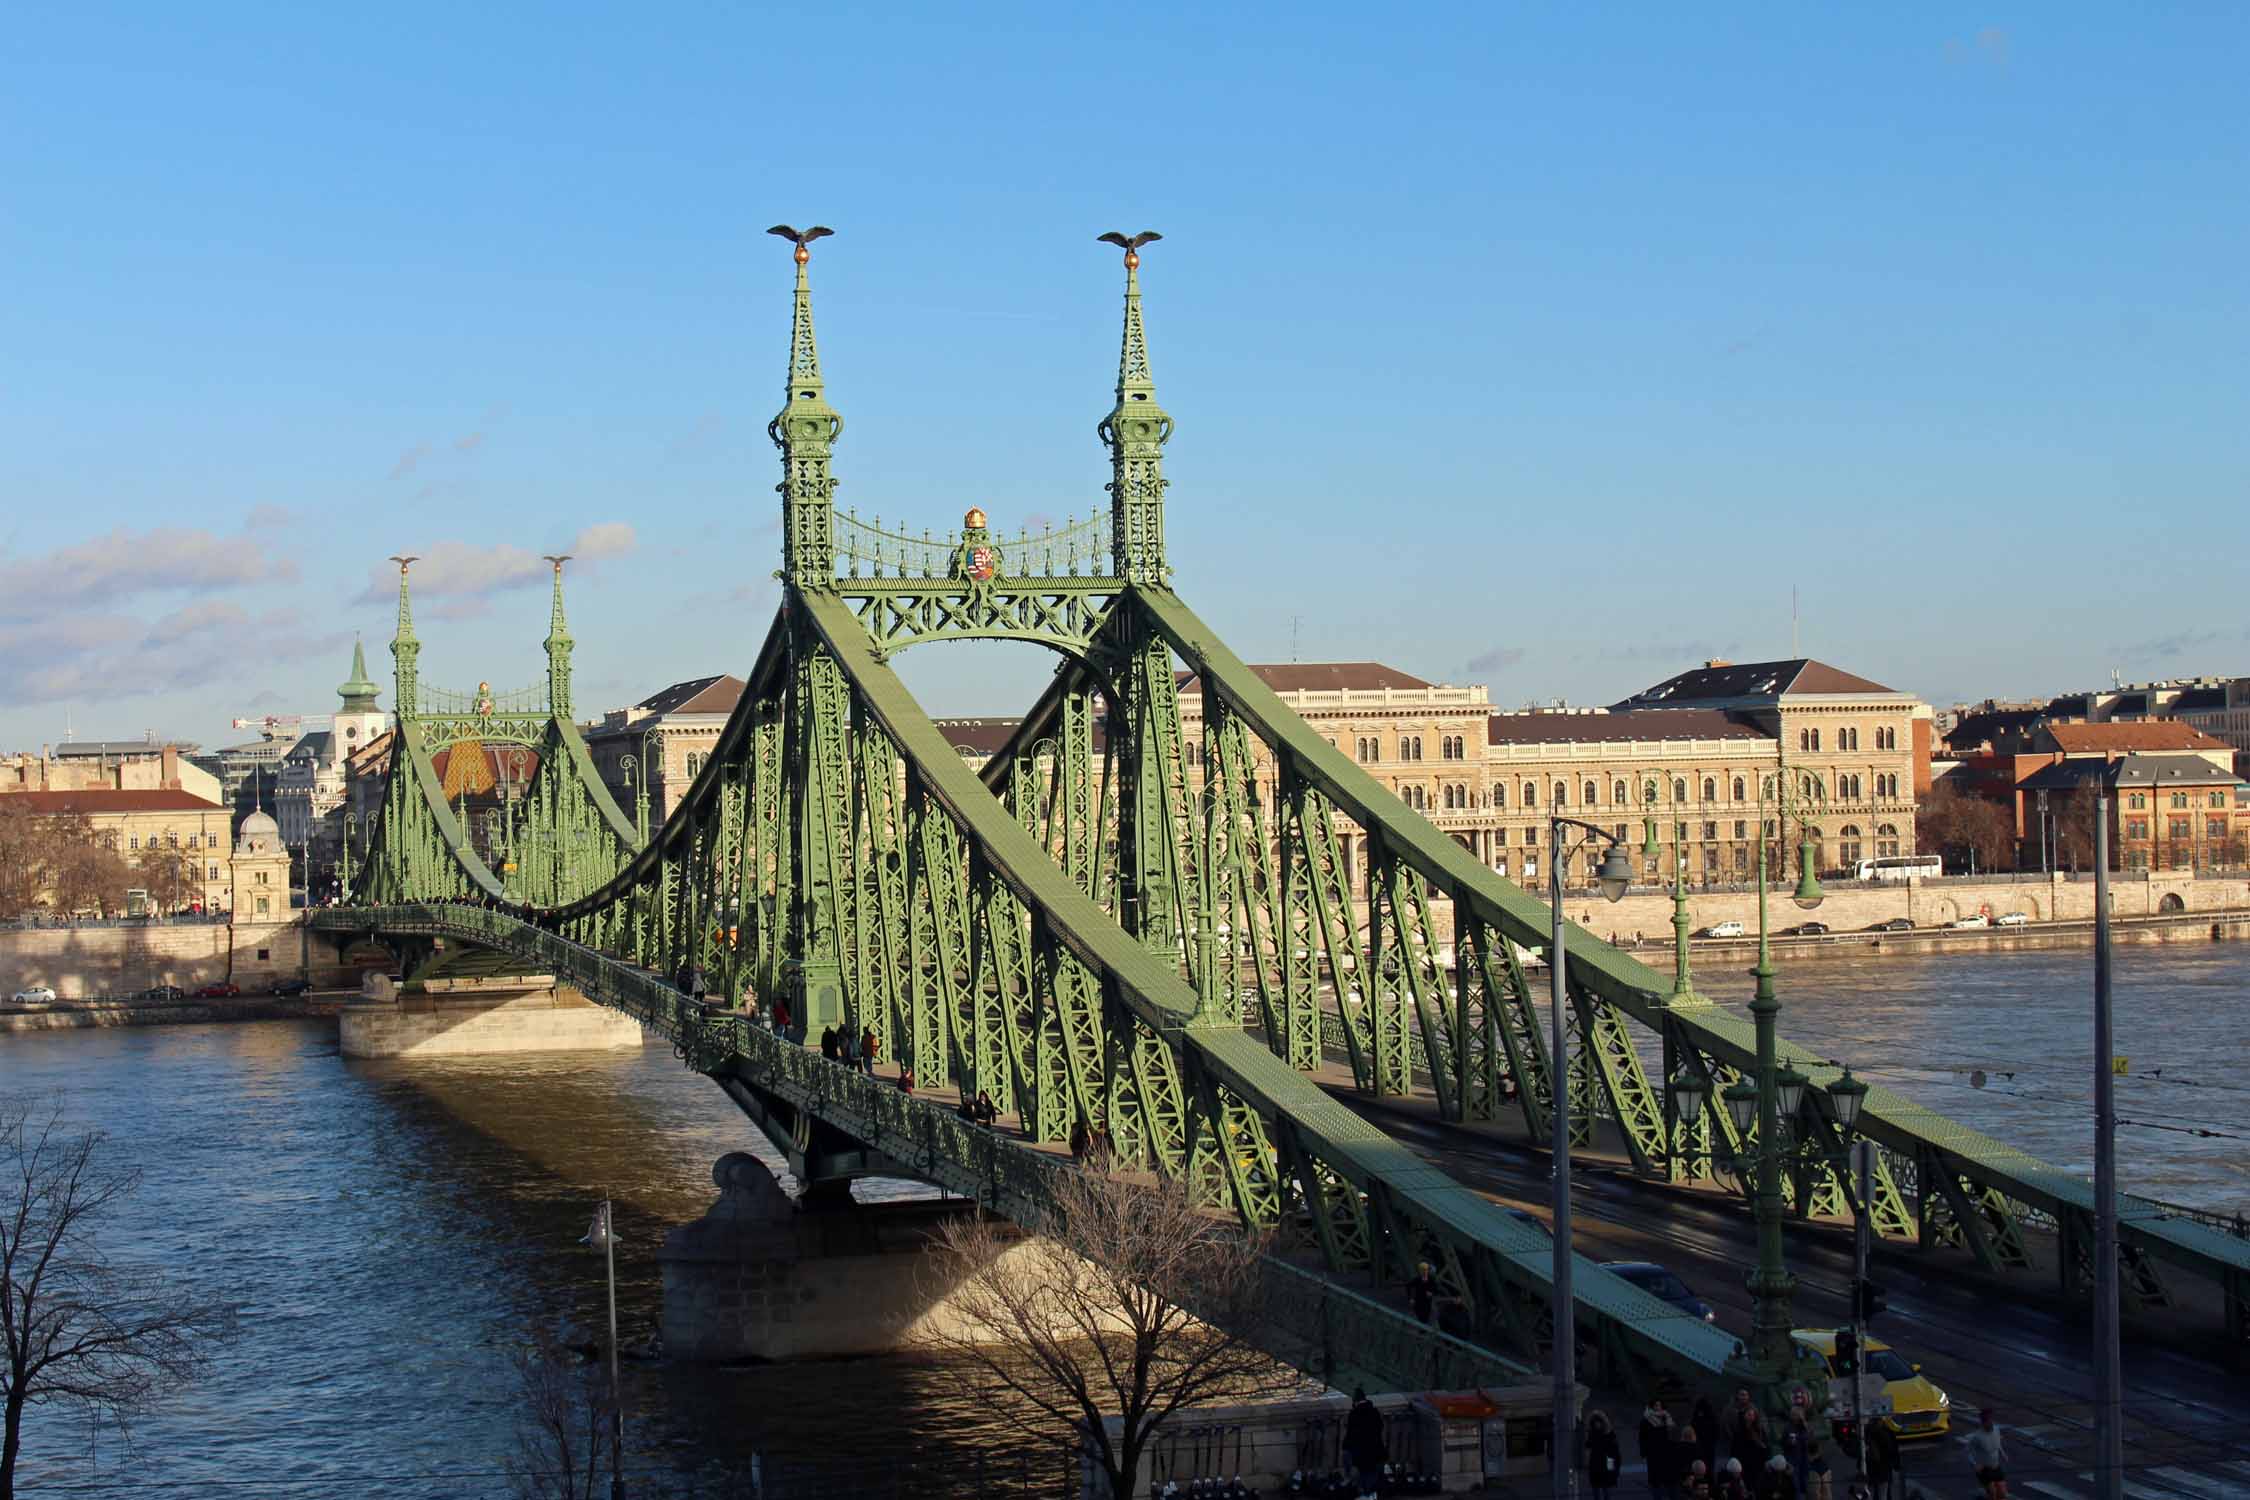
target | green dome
x=358, y=691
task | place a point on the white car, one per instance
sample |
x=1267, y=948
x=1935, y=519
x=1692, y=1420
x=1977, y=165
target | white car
x=1723, y=929
x=2012, y=919
x=1976, y=920
x=38, y=994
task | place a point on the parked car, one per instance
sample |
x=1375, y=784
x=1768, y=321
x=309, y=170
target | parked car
x=1973, y=919
x=290, y=987
x=1895, y=924
x=2012, y=919
x=1659, y=1282
x=1723, y=929
x=220, y=991
x=38, y=994
x=1806, y=929
x=163, y=992
x=1918, y=1408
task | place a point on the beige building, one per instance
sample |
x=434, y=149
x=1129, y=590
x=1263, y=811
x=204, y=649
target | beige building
x=662, y=743
x=144, y=768
x=1690, y=754
x=135, y=821
x=259, y=877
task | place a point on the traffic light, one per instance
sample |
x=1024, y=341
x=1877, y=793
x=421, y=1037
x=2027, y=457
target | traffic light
x=1869, y=1299
x=1847, y=1353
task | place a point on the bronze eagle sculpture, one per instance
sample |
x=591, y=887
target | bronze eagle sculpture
x=802, y=239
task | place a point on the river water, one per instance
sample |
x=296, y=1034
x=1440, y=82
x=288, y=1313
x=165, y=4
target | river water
x=393, y=1230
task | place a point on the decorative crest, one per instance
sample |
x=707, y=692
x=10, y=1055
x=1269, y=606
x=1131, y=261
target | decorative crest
x=802, y=238
x=1131, y=247
x=803, y=430
x=1135, y=431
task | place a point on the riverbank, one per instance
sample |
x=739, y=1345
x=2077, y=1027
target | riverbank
x=80, y=1015
x=2187, y=927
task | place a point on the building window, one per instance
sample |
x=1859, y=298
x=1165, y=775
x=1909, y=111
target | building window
x=261, y=880
x=1710, y=831
x=214, y=875
x=1741, y=860
x=2135, y=828
x=2178, y=829
x=2215, y=829
x=2136, y=800
x=1562, y=793
x=1710, y=790
x=1500, y=799
x=1593, y=793
x=1710, y=859
x=1738, y=789
x=2179, y=799
x=1886, y=841
x=1648, y=792
x=1617, y=792
x=264, y=908
x=1847, y=844
x=135, y=842
x=265, y=955
x=1679, y=790
x=1531, y=836
x=1531, y=799
x=1741, y=828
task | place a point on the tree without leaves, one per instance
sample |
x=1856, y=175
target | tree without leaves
x=172, y=877
x=1948, y=821
x=81, y=1333
x=1091, y=1319
x=563, y=1425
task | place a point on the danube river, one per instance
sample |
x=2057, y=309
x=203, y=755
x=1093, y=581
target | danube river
x=393, y=1230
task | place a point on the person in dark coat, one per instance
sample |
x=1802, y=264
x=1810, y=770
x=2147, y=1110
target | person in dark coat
x=1746, y=1435
x=1778, y=1482
x=1605, y=1465
x=1883, y=1466
x=1422, y=1293
x=1656, y=1442
x=1705, y=1421
x=1363, y=1442
x=830, y=1048
x=1797, y=1442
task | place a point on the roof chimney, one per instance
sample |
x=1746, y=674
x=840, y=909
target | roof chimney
x=1717, y=661
x=172, y=768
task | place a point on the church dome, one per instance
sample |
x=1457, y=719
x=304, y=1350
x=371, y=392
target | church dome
x=259, y=822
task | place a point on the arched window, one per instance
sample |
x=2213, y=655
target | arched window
x=1531, y=795
x=1593, y=793
x=1500, y=799
x=1738, y=789
x=1847, y=844
x=1886, y=841
x=1648, y=792
x=1679, y=789
x=1562, y=794
x=1710, y=790
x=1816, y=739
x=1617, y=793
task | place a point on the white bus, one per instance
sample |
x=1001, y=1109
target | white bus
x=1901, y=867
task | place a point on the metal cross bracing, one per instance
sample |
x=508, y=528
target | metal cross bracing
x=1121, y=941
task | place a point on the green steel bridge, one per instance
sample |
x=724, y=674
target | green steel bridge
x=1103, y=930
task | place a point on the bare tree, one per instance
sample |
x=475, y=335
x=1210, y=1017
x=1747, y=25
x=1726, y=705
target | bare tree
x=1092, y=1319
x=1949, y=821
x=563, y=1425
x=82, y=1334
x=172, y=876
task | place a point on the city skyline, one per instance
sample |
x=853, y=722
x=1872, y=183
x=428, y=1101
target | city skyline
x=1623, y=300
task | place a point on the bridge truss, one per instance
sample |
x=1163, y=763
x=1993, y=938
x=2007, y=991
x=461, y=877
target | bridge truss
x=1109, y=934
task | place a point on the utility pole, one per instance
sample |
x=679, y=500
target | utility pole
x=2109, y=1436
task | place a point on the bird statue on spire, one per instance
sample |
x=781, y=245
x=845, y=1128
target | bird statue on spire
x=1131, y=247
x=801, y=238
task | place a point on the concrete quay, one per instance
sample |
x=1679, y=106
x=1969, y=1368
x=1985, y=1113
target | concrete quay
x=478, y=1017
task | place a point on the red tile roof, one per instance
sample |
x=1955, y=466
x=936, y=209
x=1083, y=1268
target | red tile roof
x=1754, y=680
x=1329, y=677
x=96, y=800
x=2098, y=739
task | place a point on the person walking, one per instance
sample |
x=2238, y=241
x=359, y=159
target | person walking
x=1778, y=1482
x=869, y=1045
x=1797, y=1440
x=1704, y=1422
x=830, y=1048
x=1884, y=1469
x=1422, y=1293
x=1990, y=1456
x=1746, y=1433
x=848, y=1045
x=1605, y=1464
x=1363, y=1444
x=1655, y=1442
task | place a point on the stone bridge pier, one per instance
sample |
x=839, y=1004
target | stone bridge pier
x=477, y=1016
x=762, y=1276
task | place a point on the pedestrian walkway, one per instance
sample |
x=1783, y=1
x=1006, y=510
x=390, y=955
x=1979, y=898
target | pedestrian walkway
x=2225, y=1481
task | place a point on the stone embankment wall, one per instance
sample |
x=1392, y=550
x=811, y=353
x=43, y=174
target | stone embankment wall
x=88, y=963
x=1925, y=903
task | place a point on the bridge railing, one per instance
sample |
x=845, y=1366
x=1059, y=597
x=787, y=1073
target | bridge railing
x=1301, y=1318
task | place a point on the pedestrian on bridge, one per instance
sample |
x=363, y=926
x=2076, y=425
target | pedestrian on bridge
x=1886, y=1472
x=1990, y=1456
x=847, y=1046
x=869, y=1045
x=1422, y=1292
x=1656, y=1445
x=830, y=1046
x=1746, y=1433
x=1778, y=1482
x=1703, y=1435
x=1732, y=1486
x=1364, y=1445
x=1797, y=1440
x=1605, y=1464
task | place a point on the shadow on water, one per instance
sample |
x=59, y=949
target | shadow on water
x=393, y=1229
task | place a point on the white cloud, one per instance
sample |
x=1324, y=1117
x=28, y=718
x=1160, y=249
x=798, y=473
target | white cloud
x=464, y=570
x=125, y=564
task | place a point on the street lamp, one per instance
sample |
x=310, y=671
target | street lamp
x=1613, y=875
x=1771, y=1097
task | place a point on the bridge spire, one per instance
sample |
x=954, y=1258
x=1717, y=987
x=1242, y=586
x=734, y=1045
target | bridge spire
x=558, y=647
x=405, y=649
x=1136, y=431
x=804, y=429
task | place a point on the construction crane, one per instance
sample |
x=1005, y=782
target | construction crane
x=274, y=724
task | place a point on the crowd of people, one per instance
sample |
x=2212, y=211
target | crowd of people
x=1705, y=1455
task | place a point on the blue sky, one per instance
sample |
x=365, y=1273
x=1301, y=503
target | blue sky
x=1536, y=345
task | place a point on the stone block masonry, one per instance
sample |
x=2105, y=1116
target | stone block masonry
x=90, y=963
x=479, y=1018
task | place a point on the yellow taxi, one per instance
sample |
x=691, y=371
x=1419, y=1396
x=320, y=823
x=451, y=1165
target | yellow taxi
x=1918, y=1408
